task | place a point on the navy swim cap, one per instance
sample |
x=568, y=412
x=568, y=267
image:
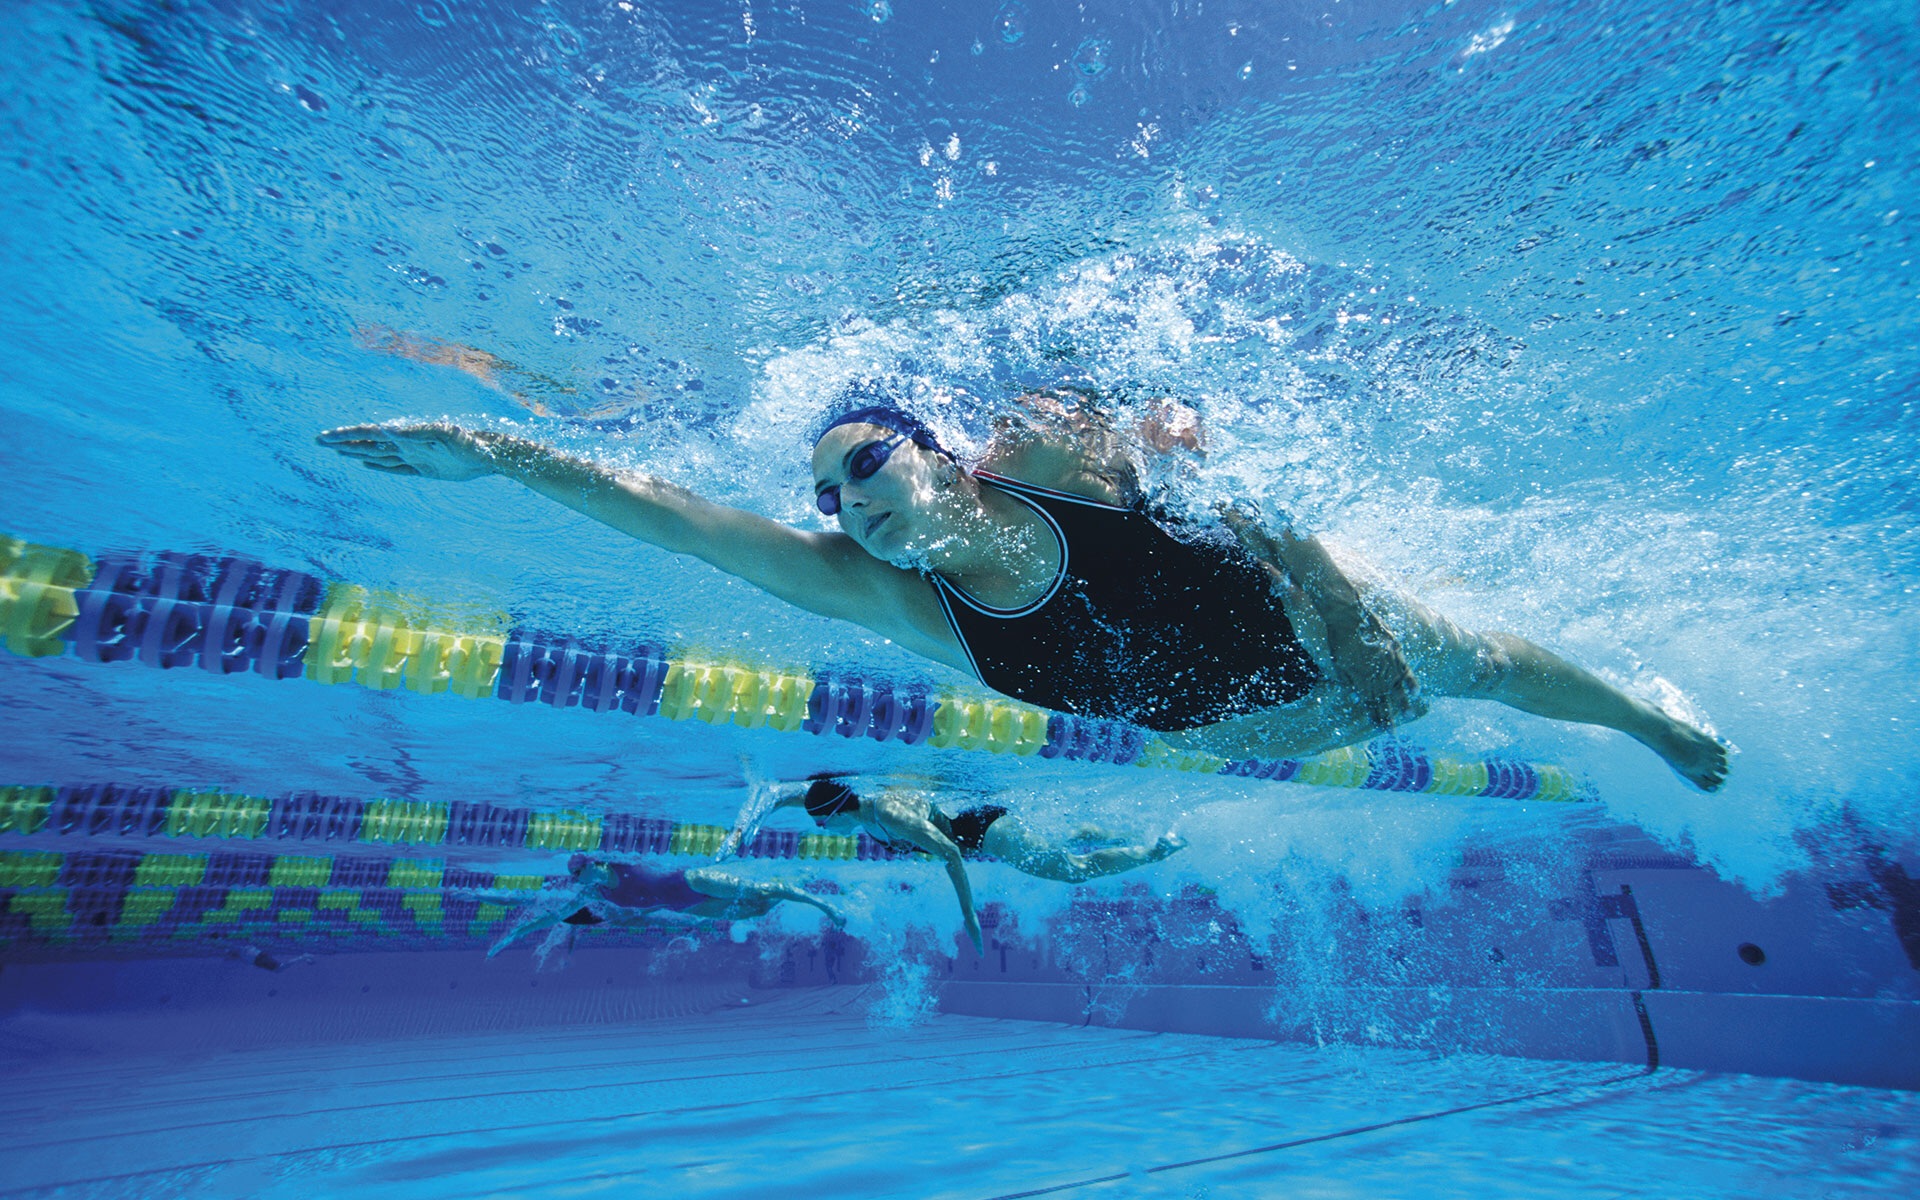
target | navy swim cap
x=829, y=798
x=875, y=405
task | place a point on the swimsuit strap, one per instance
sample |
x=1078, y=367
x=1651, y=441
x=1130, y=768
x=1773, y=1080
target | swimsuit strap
x=1029, y=496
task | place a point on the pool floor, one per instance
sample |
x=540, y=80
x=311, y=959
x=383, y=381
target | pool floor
x=797, y=1093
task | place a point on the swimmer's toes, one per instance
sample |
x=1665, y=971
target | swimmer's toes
x=1701, y=760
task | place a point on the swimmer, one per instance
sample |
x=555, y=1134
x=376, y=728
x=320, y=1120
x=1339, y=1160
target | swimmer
x=267, y=961
x=628, y=893
x=906, y=819
x=1039, y=571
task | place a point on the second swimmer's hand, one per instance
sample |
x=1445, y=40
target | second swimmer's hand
x=973, y=931
x=435, y=450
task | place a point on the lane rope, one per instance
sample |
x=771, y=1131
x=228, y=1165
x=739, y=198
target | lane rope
x=229, y=615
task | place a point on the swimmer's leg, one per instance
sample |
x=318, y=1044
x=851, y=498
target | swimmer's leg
x=532, y=924
x=1452, y=661
x=743, y=899
x=560, y=937
x=551, y=909
x=1009, y=840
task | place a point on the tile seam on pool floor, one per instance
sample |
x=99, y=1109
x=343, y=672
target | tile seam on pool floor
x=488, y=1096
x=604, y=1119
x=321, y=1080
x=1323, y=1137
x=258, y=1064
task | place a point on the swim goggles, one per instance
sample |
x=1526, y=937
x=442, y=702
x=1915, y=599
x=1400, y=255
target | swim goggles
x=865, y=461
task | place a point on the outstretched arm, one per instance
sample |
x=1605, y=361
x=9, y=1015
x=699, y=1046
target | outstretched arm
x=962, y=886
x=1009, y=840
x=825, y=573
x=909, y=823
x=751, y=898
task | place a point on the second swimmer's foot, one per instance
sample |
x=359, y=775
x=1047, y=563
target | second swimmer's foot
x=1696, y=756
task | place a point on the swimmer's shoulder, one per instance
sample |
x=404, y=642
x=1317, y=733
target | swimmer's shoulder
x=1062, y=461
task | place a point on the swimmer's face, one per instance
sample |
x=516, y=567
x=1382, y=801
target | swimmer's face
x=596, y=875
x=895, y=513
x=845, y=821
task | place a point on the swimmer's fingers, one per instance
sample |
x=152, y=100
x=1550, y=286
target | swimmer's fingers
x=1720, y=765
x=1383, y=713
x=438, y=450
x=423, y=432
x=367, y=449
x=385, y=462
x=351, y=434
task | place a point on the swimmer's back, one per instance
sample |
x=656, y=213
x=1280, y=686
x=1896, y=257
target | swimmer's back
x=640, y=886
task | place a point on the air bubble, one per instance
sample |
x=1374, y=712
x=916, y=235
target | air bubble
x=1090, y=59
x=1011, y=21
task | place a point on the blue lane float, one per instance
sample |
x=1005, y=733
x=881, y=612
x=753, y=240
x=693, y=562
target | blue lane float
x=230, y=615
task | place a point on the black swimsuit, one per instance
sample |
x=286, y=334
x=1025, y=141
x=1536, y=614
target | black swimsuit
x=966, y=829
x=1139, y=625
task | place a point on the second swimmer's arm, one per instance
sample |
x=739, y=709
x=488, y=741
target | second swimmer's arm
x=726, y=886
x=903, y=822
x=963, y=888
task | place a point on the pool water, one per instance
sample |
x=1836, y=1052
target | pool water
x=1591, y=324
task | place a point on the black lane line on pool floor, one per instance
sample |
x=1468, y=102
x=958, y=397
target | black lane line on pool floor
x=1632, y=908
x=1321, y=1137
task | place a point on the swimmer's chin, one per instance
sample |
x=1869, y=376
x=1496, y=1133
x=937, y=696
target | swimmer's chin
x=908, y=560
x=916, y=557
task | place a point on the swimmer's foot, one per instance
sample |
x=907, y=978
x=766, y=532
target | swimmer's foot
x=1168, y=844
x=1090, y=834
x=1696, y=756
